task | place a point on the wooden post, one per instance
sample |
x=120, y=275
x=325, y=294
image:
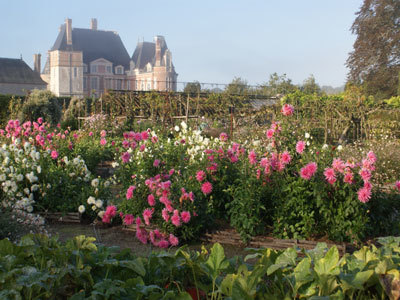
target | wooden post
x=187, y=109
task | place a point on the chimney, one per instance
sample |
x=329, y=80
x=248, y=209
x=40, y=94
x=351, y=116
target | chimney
x=158, y=50
x=36, y=62
x=93, y=24
x=68, y=25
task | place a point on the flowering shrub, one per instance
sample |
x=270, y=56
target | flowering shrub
x=33, y=175
x=283, y=182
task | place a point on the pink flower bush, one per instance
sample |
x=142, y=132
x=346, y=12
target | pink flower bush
x=156, y=162
x=151, y=200
x=287, y=110
x=285, y=157
x=165, y=215
x=371, y=157
x=397, y=185
x=348, y=177
x=200, y=176
x=147, y=214
x=173, y=240
x=206, y=188
x=185, y=216
x=252, y=157
x=223, y=137
x=300, y=146
x=128, y=219
x=270, y=133
x=330, y=176
x=54, y=154
x=175, y=219
x=308, y=171
x=364, y=194
x=125, y=157
x=129, y=192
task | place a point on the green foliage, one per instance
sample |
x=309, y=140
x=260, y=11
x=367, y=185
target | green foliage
x=394, y=101
x=310, y=87
x=41, y=267
x=374, y=61
x=9, y=226
x=41, y=103
x=192, y=87
x=238, y=86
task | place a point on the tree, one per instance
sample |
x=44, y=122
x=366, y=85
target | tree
x=238, y=86
x=280, y=84
x=310, y=86
x=192, y=87
x=375, y=60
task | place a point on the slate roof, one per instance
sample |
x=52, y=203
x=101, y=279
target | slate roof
x=145, y=53
x=94, y=44
x=17, y=71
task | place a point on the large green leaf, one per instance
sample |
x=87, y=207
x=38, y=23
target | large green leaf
x=216, y=262
x=356, y=280
x=287, y=258
x=135, y=265
x=329, y=264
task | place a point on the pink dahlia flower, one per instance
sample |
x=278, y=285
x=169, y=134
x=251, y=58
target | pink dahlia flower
x=206, y=188
x=287, y=110
x=300, y=146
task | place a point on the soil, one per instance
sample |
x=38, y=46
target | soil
x=115, y=236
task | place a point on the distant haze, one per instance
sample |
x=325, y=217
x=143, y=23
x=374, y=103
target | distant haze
x=211, y=41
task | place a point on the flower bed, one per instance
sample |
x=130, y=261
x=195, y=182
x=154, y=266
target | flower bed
x=180, y=182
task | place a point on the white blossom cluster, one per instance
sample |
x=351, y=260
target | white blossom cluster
x=21, y=180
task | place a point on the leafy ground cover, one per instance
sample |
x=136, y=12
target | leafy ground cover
x=41, y=267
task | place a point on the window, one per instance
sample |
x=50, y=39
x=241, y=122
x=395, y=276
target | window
x=119, y=84
x=108, y=83
x=155, y=83
x=84, y=83
x=109, y=69
x=148, y=84
x=119, y=70
x=94, y=83
x=93, y=69
x=129, y=85
x=75, y=72
x=85, y=69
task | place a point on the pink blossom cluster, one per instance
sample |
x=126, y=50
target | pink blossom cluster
x=110, y=213
x=273, y=131
x=37, y=130
x=308, y=171
x=160, y=188
x=367, y=167
x=287, y=110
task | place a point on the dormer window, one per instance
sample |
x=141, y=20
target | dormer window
x=148, y=67
x=119, y=70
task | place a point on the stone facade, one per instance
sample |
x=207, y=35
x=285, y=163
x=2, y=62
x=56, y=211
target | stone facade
x=84, y=62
